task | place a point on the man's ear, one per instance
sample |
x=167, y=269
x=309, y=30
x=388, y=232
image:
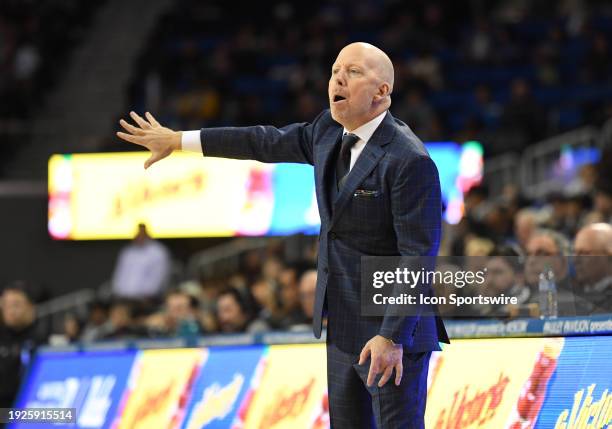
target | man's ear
x=384, y=91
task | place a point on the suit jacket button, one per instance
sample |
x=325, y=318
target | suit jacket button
x=333, y=235
x=325, y=270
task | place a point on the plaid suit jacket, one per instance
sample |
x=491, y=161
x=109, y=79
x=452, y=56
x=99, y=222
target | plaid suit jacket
x=404, y=218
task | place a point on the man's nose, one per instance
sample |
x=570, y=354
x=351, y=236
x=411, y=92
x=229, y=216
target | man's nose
x=340, y=79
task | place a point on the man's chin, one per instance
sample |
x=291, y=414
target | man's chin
x=336, y=115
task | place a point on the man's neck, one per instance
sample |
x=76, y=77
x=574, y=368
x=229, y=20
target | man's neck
x=352, y=127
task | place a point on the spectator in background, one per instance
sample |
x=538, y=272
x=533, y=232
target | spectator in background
x=181, y=314
x=179, y=317
x=525, y=223
x=548, y=249
x=72, y=328
x=266, y=302
x=471, y=225
x=142, y=269
x=505, y=276
x=121, y=323
x=289, y=293
x=235, y=313
x=558, y=212
x=19, y=336
x=308, y=286
x=593, y=249
x=97, y=317
x=602, y=203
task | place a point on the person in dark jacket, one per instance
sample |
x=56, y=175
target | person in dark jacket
x=19, y=337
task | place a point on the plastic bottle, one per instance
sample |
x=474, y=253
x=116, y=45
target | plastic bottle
x=548, y=296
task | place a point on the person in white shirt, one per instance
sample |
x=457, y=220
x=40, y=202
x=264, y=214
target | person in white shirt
x=142, y=269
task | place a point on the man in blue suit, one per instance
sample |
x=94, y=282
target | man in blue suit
x=378, y=194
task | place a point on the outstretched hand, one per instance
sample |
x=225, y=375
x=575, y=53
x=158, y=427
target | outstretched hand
x=161, y=141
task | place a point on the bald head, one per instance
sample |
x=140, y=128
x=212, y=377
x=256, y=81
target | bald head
x=377, y=59
x=360, y=85
x=594, y=239
x=593, y=247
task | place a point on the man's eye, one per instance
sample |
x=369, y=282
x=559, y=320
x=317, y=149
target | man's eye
x=354, y=71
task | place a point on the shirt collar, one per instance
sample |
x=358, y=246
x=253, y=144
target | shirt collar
x=365, y=131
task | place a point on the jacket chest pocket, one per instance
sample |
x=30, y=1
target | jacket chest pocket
x=369, y=205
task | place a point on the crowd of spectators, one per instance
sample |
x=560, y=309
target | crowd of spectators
x=506, y=73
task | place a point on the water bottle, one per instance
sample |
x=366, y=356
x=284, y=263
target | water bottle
x=547, y=288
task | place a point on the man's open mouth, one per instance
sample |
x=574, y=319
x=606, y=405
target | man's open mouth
x=338, y=98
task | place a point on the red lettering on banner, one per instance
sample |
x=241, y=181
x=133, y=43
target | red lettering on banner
x=286, y=406
x=152, y=402
x=472, y=410
x=136, y=195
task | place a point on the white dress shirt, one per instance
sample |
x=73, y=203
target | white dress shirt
x=190, y=140
x=142, y=270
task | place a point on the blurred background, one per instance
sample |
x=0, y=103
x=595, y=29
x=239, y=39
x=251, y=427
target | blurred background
x=519, y=92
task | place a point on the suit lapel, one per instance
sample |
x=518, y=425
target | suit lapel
x=323, y=159
x=368, y=159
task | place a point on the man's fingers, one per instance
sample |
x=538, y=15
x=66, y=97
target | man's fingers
x=386, y=376
x=399, y=370
x=141, y=122
x=132, y=139
x=365, y=353
x=130, y=128
x=152, y=120
x=373, y=372
x=152, y=160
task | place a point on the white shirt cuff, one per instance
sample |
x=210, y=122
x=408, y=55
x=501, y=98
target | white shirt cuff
x=190, y=141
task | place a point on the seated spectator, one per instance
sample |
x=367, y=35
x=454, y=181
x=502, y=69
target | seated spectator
x=525, y=223
x=180, y=316
x=602, y=203
x=289, y=292
x=19, y=336
x=235, y=313
x=142, y=269
x=120, y=324
x=72, y=328
x=96, y=318
x=593, y=249
x=308, y=287
x=264, y=295
x=548, y=249
x=505, y=276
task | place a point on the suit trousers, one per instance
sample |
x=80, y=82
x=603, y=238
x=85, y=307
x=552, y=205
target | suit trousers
x=354, y=405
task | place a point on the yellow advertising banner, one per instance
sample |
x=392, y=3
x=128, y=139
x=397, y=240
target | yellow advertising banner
x=104, y=196
x=485, y=384
x=159, y=388
x=292, y=391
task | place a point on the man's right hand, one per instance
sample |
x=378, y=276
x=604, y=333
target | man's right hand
x=161, y=141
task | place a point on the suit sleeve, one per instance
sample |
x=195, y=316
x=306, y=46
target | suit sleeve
x=292, y=143
x=416, y=209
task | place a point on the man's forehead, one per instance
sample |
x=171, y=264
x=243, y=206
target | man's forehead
x=351, y=61
x=354, y=55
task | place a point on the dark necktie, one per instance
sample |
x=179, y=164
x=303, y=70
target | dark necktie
x=343, y=162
